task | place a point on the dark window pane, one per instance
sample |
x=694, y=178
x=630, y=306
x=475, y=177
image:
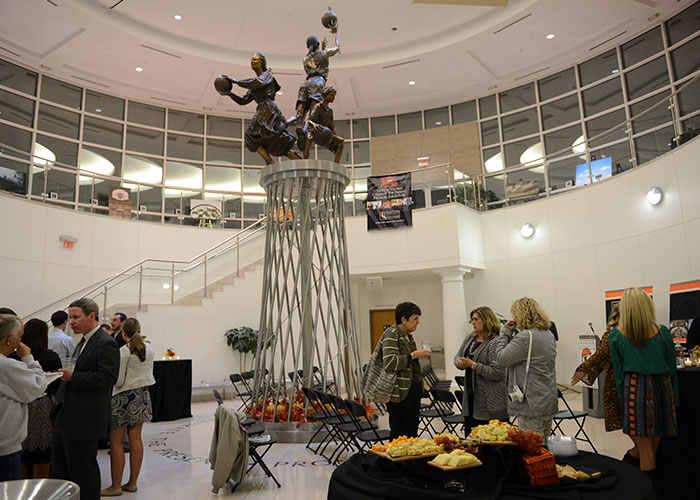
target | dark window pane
x=598, y=67
x=106, y=105
x=654, y=144
x=650, y=120
x=232, y=208
x=16, y=138
x=559, y=112
x=185, y=146
x=342, y=128
x=487, y=106
x=146, y=114
x=520, y=124
x=495, y=189
x=17, y=78
x=563, y=139
x=152, y=200
x=562, y=174
x=652, y=76
x=383, y=125
x=58, y=121
x=360, y=128
x=253, y=207
x=438, y=117
x=181, y=121
x=142, y=169
x=605, y=123
x=144, y=140
x=489, y=132
x=102, y=132
x=685, y=58
x=493, y=160
x=14, y=176
x=689, y=99
x=683, y=24
x=418, y=197
x=557, y=84
x=224, y=127
x=517, y=98
x=62, y=183
x=464, y=112
x=16, y=109
x=643, y=46
x=223, y=179
x=620, y=154
x=522, y=151
x=61, y=152
x=602, y=97
x=360, y=152
x=61, y=92
x=100, y=161
x=409, y=122
x=223, y=152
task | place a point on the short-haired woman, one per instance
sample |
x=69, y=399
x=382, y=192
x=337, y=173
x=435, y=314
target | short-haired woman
x=644, y=362
x=485, y=381
x=131, y=406
x=532, y=391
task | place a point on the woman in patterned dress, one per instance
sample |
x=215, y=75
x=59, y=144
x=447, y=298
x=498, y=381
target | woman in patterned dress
x=131, y=407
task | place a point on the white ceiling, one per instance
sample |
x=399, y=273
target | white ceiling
x=452, y=52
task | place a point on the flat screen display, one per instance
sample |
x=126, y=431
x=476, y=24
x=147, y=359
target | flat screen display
x=600, y=169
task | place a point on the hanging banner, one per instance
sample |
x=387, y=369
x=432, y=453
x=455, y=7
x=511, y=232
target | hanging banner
x=389, y=202
x=613, y=297
x=684, y=306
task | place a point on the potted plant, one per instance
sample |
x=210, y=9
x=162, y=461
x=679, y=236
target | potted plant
x=243, y=340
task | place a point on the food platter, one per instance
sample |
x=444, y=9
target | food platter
x=454, y=467
x=51, y=376
x=404, y=458
x=478, y=442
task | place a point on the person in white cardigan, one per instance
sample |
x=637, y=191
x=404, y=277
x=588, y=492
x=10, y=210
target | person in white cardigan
x=131, y=407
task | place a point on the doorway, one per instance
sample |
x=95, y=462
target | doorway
x=380, y=320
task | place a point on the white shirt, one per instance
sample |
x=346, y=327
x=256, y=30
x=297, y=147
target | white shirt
x=134, y=373
x=61, y=343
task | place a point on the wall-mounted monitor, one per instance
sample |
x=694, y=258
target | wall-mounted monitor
x=600, y=169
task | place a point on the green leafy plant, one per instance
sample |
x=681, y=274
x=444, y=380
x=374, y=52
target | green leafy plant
x=244, y=341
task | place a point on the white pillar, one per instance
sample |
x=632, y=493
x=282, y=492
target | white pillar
x=454, y=314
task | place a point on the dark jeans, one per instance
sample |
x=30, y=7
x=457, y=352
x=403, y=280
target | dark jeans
x=404, y=415
x=9, y=466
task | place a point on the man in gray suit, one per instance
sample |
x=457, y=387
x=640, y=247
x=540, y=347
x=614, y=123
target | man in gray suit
x=83, y=411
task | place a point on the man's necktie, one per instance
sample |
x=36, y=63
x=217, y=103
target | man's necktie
x=78, y=348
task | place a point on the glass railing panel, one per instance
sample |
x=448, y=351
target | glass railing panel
x=616, y=156
x=495, y=190
x=567, y=173
x=189, y=281
x=61, y=182
x=122, y=296
x=157, y=285
x=654, y=144
x=14, y=175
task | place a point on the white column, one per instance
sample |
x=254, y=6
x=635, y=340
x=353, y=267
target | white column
x=454, y=314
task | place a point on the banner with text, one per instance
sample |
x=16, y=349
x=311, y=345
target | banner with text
x=389, y=202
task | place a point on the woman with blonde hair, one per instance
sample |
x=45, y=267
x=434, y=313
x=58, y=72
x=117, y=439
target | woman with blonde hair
x=131, y=407
x=644, y=362
x=484, y=381
x=529, y=354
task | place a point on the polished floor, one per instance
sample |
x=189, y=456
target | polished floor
x=176, y=465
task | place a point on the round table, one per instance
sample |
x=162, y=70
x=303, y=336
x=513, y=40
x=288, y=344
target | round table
x=368, y=476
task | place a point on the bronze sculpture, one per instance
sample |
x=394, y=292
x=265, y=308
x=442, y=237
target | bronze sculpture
x=320, y=127
x=267, y=134
x=316, y=68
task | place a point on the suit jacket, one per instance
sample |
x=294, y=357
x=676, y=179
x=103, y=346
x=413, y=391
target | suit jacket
x=117, y=336
x=87, y=404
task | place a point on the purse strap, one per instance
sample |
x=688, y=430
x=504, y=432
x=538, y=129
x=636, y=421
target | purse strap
x=527, y=365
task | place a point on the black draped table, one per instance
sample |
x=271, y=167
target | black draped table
x=678, y=458
x=369, y=476
x=171, y=395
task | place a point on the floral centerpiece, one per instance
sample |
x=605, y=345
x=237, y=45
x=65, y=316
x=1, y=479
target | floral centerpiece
x=170, y=354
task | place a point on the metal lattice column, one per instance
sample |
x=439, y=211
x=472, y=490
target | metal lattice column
x=306, y=316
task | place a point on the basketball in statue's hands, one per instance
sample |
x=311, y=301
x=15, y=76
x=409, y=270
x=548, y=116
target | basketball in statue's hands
x=329, y=19
x=223, y=84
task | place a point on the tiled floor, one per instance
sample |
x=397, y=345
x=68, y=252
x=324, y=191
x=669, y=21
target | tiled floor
x=176, y=466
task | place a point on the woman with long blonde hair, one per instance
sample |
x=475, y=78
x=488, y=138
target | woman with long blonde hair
x=131, y=406
x=644, y=362
x=485, y=381
x=529, y=354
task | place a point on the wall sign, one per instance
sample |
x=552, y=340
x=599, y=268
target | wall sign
x=389, y=202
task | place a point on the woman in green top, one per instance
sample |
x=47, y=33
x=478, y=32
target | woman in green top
x=399, y=354
x=643, y=358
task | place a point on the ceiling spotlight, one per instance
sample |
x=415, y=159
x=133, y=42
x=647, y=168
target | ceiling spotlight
x=438, y=123
x=527, y=230
x=177, y=17
x=550, y=36
x=411, y=82
x=139, y=69
x=655, y=195
x=98, y=110
x=615, y=71
x=166, y=286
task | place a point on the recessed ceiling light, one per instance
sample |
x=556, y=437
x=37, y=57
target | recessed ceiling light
x=615, y=71
x=177, y=17
x=139, y=69
x=98, y=110
x=411, y=82
x=550, y=36
x=438, y=123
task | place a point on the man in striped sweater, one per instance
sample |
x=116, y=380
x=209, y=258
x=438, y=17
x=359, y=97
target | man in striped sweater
x=399, y=354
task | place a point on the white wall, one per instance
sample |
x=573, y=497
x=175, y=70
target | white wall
x=37, y=271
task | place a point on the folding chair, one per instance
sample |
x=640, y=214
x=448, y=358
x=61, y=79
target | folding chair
x=574, y=415
x=348, y=430
x=438, y=410
x=367, y=431
x=258, y=440
x=242, y=390
x=320, y=416
x=333, y=419
x=460, y=379
x=453, y=421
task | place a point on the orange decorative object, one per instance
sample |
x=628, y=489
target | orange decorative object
x=541, y=469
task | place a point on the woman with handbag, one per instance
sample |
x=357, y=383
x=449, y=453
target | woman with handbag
x=399, y=355
x=529, y=356
x=485, y=381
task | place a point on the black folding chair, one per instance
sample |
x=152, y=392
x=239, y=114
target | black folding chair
x=367, y=431
x=242, y=390
x=460, y=379
x=334, y=419
x=577, y=416
x=456, y=419
x=257, y=440
x=319, y=416
x=438, y=410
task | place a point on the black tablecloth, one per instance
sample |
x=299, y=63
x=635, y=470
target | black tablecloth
x=171, y=395
x=677, y=459
x=369, y=476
